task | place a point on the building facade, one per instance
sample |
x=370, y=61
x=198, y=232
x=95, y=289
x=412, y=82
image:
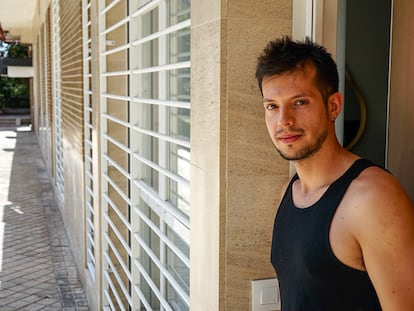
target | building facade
x=151, y=124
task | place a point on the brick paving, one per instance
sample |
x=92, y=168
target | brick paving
x=37, y=270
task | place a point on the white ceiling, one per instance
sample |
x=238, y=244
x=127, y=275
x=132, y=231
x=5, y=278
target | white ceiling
x=17, y=14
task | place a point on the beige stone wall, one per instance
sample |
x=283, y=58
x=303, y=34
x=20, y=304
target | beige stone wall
x=401, y=106
x=236, y=173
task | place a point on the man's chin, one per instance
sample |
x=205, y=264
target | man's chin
x=296, y=156
x=287, y=156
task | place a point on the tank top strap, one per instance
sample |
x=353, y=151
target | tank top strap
x=339, y=187
x=288, y=192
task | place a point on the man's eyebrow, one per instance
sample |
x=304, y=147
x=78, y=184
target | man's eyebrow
x=299, y=95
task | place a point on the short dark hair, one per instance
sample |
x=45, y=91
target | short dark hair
x=285, y=55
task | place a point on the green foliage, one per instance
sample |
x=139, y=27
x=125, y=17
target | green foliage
x=17, y=51
x=14, y=93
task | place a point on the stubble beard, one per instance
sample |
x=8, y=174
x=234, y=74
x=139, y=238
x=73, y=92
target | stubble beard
x=307, y=151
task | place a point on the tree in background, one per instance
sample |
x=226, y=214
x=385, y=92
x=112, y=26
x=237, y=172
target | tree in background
x=14, y=93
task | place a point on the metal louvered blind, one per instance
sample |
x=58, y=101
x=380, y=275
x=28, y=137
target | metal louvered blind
x=145, y=153
x=88, y=138
x=57, y=98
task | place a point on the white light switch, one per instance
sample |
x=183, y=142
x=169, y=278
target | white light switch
x=269, y=296
x=265, y=295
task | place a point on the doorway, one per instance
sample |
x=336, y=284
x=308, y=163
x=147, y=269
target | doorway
x=367, y=62
x=357, y=33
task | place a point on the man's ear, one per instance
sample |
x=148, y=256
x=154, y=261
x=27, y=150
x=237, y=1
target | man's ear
x=335, y=102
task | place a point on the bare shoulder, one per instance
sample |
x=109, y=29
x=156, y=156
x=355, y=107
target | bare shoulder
x=378, y=198
x=383, y=224
x=376, y=187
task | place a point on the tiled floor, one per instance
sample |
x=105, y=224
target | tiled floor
x=37, y=271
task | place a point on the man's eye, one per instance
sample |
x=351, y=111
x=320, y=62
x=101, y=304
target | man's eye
x=270, y=106
x=300, y=102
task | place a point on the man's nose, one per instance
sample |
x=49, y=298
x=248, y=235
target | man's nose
x=285, y=117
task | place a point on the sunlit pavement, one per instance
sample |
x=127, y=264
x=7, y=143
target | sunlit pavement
x=37, y=270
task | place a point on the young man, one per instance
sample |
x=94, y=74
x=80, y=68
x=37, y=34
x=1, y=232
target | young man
x=344, y=232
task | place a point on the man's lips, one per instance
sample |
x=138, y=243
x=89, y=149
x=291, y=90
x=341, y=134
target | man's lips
x=288, y=138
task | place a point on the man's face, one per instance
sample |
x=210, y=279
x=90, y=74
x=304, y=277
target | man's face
x=296, y=115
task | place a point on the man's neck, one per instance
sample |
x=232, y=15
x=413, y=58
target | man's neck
x=321, y=169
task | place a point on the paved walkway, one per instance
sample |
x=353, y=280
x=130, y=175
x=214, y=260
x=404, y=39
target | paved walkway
x=37, y=271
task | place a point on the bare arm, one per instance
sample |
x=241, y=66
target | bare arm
x=386, y=237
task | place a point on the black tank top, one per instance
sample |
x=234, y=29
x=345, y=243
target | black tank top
x=310, y=276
